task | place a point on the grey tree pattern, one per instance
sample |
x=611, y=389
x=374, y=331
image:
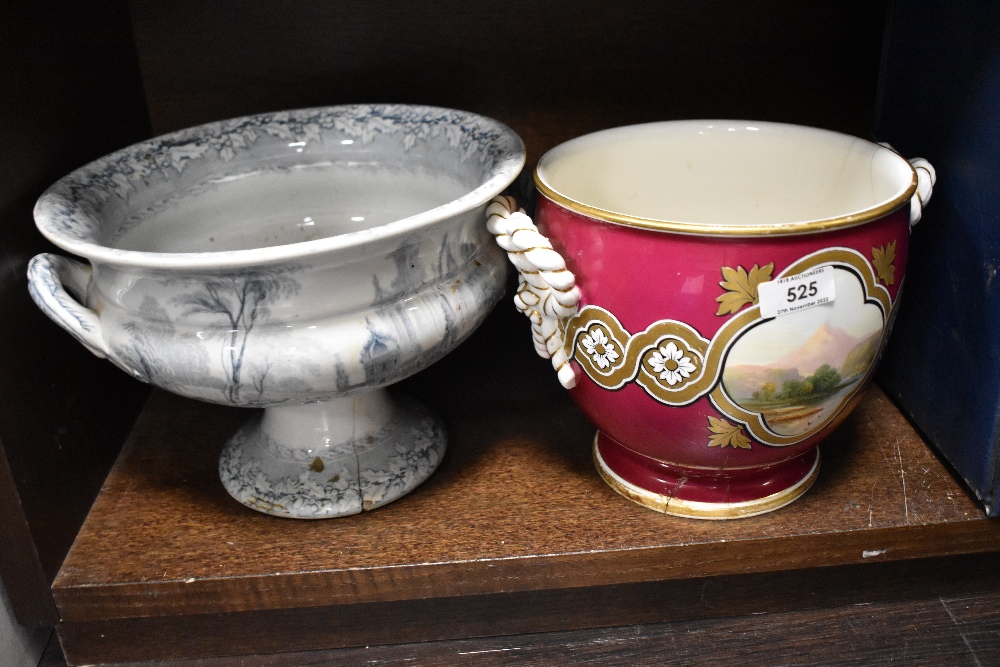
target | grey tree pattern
x=242, y=299
x=139, y=353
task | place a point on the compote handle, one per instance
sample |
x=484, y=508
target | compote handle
x=51, y=278
x=547, y=293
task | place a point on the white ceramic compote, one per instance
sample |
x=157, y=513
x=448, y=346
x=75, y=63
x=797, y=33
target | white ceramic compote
x=299, y=262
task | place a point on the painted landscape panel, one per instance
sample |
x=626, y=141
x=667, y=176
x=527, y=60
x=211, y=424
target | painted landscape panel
x=797, y=370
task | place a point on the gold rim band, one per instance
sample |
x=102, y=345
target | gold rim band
x=698, y=510
x=702, y=229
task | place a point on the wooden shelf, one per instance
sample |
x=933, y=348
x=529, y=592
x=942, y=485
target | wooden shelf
x=514, y=533
x=953, y=631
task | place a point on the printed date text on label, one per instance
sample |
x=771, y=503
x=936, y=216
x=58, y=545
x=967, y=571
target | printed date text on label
x=795, y=293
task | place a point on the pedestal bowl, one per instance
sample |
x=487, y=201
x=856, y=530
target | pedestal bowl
x=300, y=262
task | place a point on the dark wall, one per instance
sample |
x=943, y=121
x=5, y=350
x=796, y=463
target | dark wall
x=71, y=93
x=552, y=70
x=943, y=362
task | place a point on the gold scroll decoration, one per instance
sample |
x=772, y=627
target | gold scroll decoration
x=676, y=365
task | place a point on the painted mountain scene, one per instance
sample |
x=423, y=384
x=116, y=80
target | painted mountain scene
x=797, y=370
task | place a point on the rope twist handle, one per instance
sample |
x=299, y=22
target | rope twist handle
x=547, y=293
x=926, y=178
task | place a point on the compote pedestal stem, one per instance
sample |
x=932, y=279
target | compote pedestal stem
x=332, y=458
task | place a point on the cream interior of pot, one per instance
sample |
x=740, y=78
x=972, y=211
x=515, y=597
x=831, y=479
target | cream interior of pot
x=726, y=173
x=279, y=179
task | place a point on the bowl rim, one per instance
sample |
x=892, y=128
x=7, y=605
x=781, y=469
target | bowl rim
x=55, y=204
x=853, y=219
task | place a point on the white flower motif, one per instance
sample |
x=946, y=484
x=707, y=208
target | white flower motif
x=599, y=347
x=669, y=361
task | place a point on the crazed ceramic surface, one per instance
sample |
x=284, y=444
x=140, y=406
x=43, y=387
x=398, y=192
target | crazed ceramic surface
x=281, y=259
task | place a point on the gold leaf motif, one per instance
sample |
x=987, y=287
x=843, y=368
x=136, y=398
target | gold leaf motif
x=726, y=434
x=741, y=287
x=883, y=258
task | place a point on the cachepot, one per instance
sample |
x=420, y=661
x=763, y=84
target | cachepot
x=715, y=295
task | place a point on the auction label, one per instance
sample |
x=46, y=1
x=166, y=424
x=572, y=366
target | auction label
x=795, y=293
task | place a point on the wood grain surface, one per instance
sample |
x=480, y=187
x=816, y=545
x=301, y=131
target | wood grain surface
x=343, y=626
x=943, y=631
x=515, y=509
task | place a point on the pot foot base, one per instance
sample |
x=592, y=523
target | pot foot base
x=381, y=455
x=703, y=494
